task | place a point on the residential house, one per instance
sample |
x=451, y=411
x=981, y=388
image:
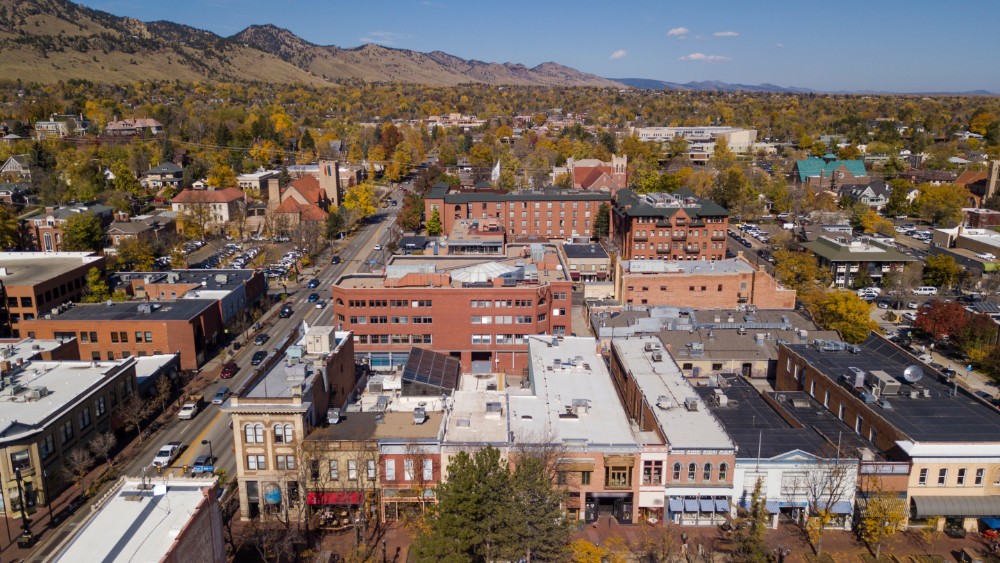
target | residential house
x=147, y=228
x=166, y=174
x=214, y=208
x=135, y=127
x=61, y=126
x=874, y=194
x=16, y=168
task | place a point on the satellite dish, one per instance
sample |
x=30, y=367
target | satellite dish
x=912, y=374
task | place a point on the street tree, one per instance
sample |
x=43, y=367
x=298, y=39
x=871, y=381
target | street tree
x=134, y=254
x=83, y=231
x=882, y=517
x=360, y=200
x=977, y=337
x=899, y=203
x=942, y=319
x=124, y=179
x=133, y=413
x=751, y=529
x=830, y=482
x=434, y=223
x=942, y=271
x=334, y=223
x=941, y=204
x=844, y=312
x=9, y=230
x=799, y=270
x=96, y=290
x=77, y=464
x=102, y=445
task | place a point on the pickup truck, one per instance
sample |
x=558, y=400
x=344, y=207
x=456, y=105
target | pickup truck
x=168, y=452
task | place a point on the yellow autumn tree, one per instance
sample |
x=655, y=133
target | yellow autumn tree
x=361, y=200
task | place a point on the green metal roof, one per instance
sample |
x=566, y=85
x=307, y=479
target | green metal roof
x=814, y=166
x=635, y=205
x=833, y=251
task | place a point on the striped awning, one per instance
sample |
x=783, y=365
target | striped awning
x=707, y=505
x=721, y=505
x=968, y=507
x=690, y=505
x=676, y=505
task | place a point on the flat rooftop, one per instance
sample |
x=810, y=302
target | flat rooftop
x=519, y=264
x=33, y=268
x=26, y=349
x=666, y=391
x=380, y=426
x=855, y=250
x=580, y=251
x=681, y=267
x=573, y=401
x=756, y=425
x=179, y=310
x=734, y=344
x=125, y=529
x=942, y=417
x=478, y=413
x=225, y=280
x=147, y=366
x=65, y=382
x=296, y=368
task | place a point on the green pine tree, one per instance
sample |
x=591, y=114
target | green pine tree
x=434, y=224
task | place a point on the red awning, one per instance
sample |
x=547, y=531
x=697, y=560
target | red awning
x=602, y=275
x=574, y=275
x=335, y=497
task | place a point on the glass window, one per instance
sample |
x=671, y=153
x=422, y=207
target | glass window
x=707, y=474
x=334, y=470
x=585, y=477
x=407, y=469
x=428, y=470
x=961, y=477
x=692, y=471
x=390, y=470
x=256, y=463
x=922, y=480
x=980, y=473
x=676, y=476
x=942, y=477
x=371, y=470
x=723, y=471
x=352, y=470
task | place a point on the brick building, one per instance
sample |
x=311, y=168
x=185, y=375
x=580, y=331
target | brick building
x=34, y=283
x=288, y=396
x=53, y=407
x=661, y=226
x=235, y=290
x=949, y=436
x=189, y=327
x=716, y=284
x=45, y=228
x=594, y=174
x=547, y=213
x=695, y=484
x=480, y=309
x=213, y=209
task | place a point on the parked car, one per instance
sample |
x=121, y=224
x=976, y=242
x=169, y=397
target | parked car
x=925, y=290
x=203, y=464
x=261, y=339
x=912, y=305
x=258, y=357
x=188, y=410
x=221, y=394
x=378, y=247
x=335, y=259
x=229, y=370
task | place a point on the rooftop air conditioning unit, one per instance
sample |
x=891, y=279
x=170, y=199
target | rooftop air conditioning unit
x=657, y=356
x=651, y=346
x=691, y=403
x=333, y=416
x=419, y=415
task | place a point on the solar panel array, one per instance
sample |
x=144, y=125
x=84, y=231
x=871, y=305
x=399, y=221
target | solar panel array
x=432, y=368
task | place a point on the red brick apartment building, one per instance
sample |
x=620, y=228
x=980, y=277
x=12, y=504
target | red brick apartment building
x=547, y=213
x=661, y=226
x=32, y=284
x=716, y=284
x=44, y=229
x=478, y=309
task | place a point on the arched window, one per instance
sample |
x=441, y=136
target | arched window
x=253, y=433
x=723, y=471
x=282, y=433
x=707, y=475
x=692, y=471
x=677, y=472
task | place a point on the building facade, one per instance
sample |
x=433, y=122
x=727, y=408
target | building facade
x=660, y=226
x=32, y=284
x=478, y=309
x=848, y=258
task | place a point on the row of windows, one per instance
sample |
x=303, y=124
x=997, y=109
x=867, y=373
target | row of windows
x=117, y=337
x=504, y=319
x=524, y=205
x=257, y=462
x=960, y=480
x=681, y=232
x=393, y=338
x=679, y=245
x=42, y=298
x=679, y=221
x=524, y=214
x=500, y=303
x=254, y=433
x=562, y=223
x=679, y=257
x=386, y=303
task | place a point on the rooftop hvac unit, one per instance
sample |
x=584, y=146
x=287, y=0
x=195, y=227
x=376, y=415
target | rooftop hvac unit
x=38, y=392
x=494, y=408
x=698, y=346
x=691, y=403
x=657, y=356
x=333, y=416
x=581, y=406
x=419, y=415
x=857, y=376
x=886, y=384
x=651, y=346
x=663, y=402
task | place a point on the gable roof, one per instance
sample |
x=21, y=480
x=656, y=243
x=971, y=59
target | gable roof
x=308, y=187
x=166, y=167
x=817, y=167
x=971, y=177
x=305, y=211
x=585, y=176
x=225, y=195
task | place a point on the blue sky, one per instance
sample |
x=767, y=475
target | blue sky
x=886, y=45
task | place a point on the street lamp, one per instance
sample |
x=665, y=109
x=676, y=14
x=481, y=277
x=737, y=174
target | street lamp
x=210, y=453
x=27, y=538
x=383, y=551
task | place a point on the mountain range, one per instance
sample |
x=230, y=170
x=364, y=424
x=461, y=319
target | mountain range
x=716, y=86
x=51, y=40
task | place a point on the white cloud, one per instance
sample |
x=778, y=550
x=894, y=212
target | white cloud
x=380, y=37
x=780, y=45
x=619, y=54
x=726, y=34
x=677, y=32
x=702, y=57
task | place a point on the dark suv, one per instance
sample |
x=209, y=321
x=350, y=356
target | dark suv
x=286, y=312
x=258, y=357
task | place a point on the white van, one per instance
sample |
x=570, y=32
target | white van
x=925, y=290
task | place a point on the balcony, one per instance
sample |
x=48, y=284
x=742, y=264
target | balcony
x=617, y=485
x=640, y=238
x=692, y=249
x=679, y=236
x=719, y=237
x=663, y=251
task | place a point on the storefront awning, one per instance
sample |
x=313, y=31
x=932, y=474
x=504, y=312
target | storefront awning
x=839, y=507
x=721, y=505
x=574, y=464
x=333, y=497
x=991, y=523
x=968, y=507
x=574, y=276
x=676, y=505
x=772, y=506
x=690, y=505
x=707, y=505
x=890, y=503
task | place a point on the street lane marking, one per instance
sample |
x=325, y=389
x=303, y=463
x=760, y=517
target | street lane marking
x=187, y=457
